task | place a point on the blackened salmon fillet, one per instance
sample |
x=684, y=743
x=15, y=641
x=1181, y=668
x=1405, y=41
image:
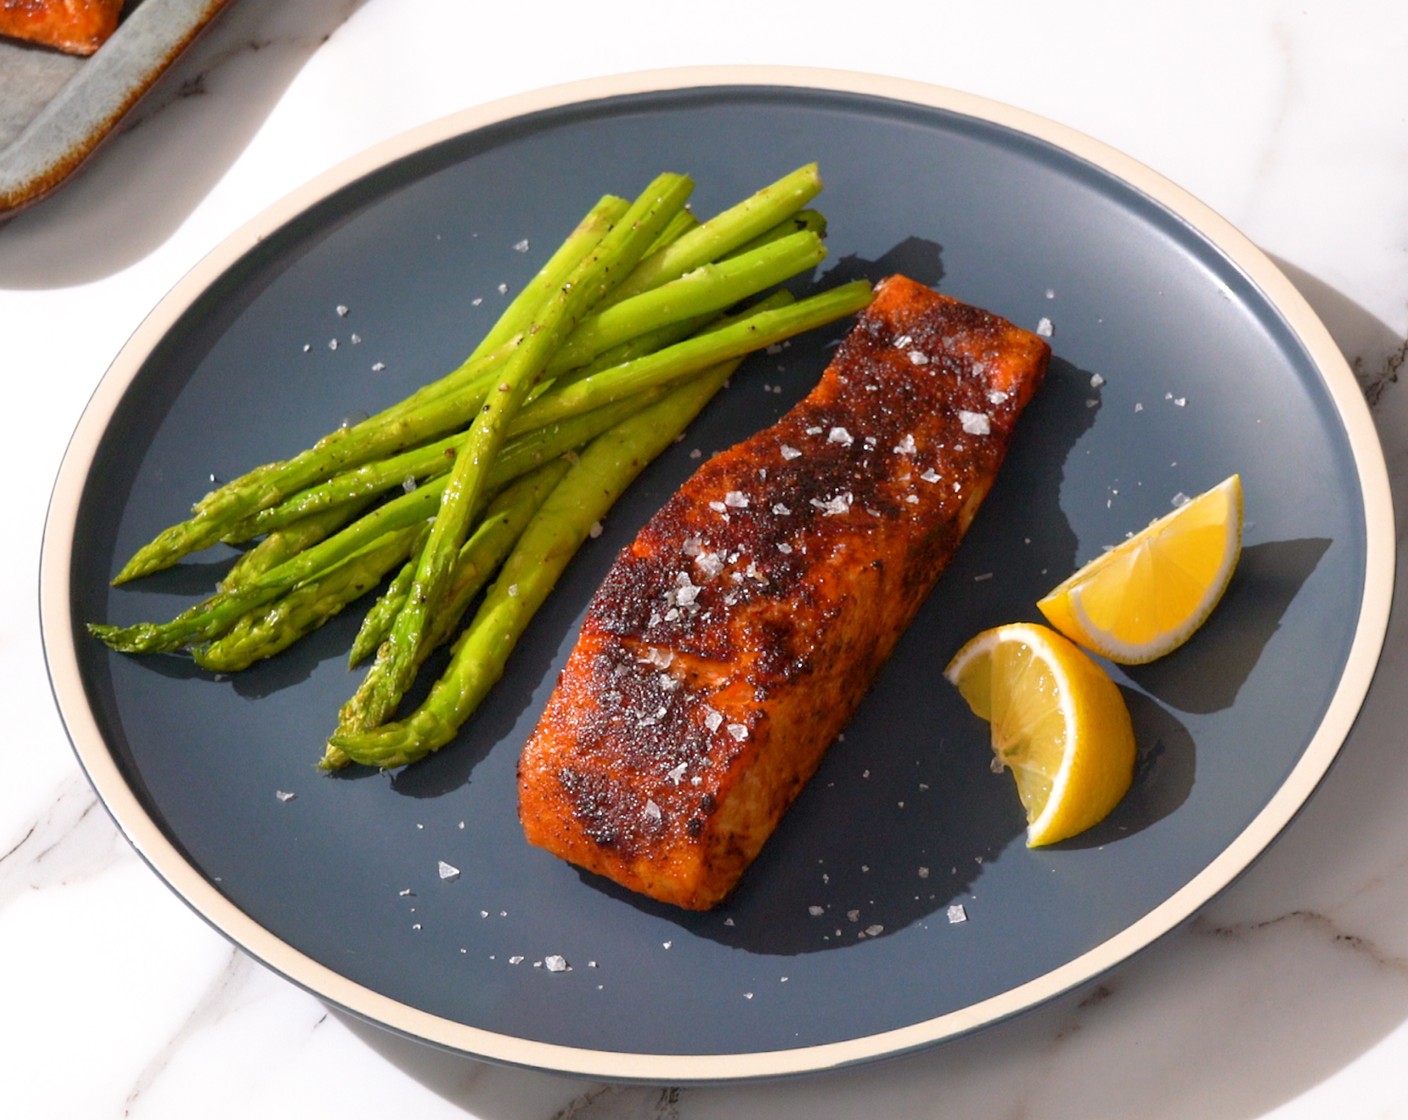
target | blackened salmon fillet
x=734, y=638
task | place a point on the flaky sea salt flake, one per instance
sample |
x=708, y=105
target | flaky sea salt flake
x=448, y=871
x=841, y=503
x=974, y=423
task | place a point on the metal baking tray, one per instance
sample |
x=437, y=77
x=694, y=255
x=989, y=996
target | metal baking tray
x=55, y=109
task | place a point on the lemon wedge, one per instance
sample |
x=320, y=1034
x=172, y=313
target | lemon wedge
x=1146, y=597
x=1059, y=724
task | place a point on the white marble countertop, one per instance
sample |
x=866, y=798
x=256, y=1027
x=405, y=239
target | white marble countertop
x=1287, y=997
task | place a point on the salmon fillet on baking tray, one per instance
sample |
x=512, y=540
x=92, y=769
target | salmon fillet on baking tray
x=734, y=638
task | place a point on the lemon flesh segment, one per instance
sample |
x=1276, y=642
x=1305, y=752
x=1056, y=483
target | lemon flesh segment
x=1058, y=723
x=1147, y=596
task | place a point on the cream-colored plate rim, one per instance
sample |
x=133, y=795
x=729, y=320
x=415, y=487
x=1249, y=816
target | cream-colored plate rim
x=169, y=863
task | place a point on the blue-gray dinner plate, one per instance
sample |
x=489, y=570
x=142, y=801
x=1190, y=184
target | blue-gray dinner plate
x=897, y=905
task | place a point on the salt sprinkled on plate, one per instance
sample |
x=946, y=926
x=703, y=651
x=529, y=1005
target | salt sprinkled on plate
x=342, y=310
x=1045, y=328
x=284, y=795
x=956, y=914
x=556, y=963
x=448, y=871
x=521, y=246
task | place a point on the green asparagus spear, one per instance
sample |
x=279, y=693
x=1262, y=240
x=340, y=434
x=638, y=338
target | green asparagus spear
x=744, y=335
x=519, y=314
x=289, y=538
x=603, y=269
x=701, y=291
x=207, y=620
x=273, y=628
x=725, y=232
x=380, y=615
x=602, y=472
x=481, y=556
